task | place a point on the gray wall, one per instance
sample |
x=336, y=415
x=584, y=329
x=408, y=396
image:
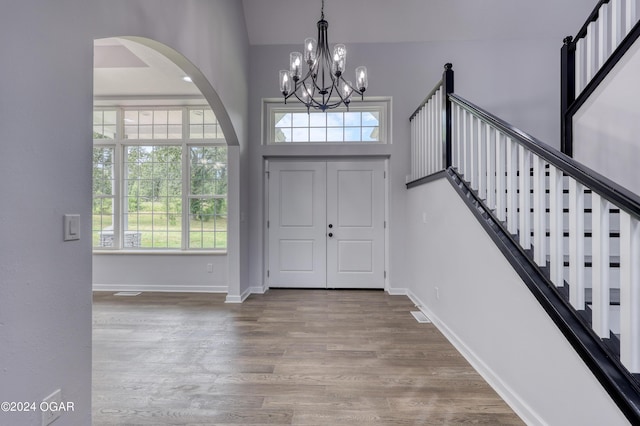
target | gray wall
x=45, y=165
x=485, y=309
x=516, y=80
x=45, y=170
x=606, y=130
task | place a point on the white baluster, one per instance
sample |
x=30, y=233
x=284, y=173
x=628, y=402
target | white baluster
x=629, y=292
x=482, y=172
x=501, y=181
x=600, y=265
x=465, y=145
x=556, y=231
x=473, y=142
x=617, y=23
x=423, y=127
x=439, y=135
x=491, y=173
x=591, y=58
x=455, y=136
x=580, y=65
x=629, y=15
x=576, y=244
x=512, y=186
x=524, y=186
x=413, y=148
x=603, y=34
x=429, y=153
x=430, y=130
x=539, y=208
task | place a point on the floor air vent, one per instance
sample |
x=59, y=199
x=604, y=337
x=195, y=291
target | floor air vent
x=128, y=293
x=420, y=317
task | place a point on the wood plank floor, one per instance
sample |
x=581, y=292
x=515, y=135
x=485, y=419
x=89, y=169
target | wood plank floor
x=289, y=357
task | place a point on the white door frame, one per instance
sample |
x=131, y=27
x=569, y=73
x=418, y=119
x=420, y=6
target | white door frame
x=265, y=212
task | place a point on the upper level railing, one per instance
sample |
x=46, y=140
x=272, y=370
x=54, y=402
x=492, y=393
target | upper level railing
x=587, y=58
x=431, y=129
x=579, y=227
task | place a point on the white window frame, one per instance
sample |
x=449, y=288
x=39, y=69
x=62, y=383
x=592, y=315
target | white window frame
x=381, y=105
x=119, y=144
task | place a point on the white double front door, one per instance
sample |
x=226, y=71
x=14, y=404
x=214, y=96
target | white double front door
x=326, y=224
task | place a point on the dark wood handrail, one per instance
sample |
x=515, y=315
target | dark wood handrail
x=592, y=17
x=613, y=192
x=429, y=96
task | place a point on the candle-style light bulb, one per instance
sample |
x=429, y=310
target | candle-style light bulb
x=285, y=83
x=362, y=80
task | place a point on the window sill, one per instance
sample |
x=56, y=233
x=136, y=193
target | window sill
x=162, y=252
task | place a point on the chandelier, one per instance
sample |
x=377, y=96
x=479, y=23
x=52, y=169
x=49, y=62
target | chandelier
x=323, y=86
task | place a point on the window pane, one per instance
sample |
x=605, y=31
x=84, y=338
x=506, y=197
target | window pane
x=131, y=117
x=335, y=134
x=283, y=135
x=282, y=119
x=318, y=119
x=335, y=119
x=351, y=134
x=175, y=117
x=318, y=134
x=196, y=116
x=301, y=119
x=145, y=132
x=160, y=117
x=195, y=132
x=352, y=118
x=301, y=135
x=370, y=134
x=210, y=131
x=209, y=117
x=371, y=118
x=131, y=132
x=175, y=132
x=160, y=132
x=145, y=117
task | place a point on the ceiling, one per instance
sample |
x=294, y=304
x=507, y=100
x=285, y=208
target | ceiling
x=379, y=21
x=123, y=68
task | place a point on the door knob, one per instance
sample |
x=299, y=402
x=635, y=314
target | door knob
x=330, y=225
x=330, y=234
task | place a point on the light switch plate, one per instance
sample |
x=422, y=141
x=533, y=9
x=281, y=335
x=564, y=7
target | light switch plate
x=71, y=227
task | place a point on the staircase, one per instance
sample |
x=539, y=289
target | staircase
x=573, y=235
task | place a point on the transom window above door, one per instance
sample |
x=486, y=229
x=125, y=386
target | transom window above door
x=365, y=122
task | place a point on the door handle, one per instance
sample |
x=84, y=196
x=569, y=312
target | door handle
x=330, y=234
x=330, y=225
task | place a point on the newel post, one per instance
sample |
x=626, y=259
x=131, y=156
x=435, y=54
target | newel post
x=567, y=94
x=447, y=84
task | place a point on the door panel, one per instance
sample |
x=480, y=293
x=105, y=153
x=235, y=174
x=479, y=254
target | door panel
x=326, y=224
x=297, y=219
x=355, y=212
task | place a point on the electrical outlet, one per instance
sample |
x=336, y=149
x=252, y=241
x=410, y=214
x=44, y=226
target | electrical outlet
x=209, y=267
x=437, y=293
x=50, y=407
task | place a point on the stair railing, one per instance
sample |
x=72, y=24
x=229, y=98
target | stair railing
x=431, y=130
x=587, y=58
x=560, y=212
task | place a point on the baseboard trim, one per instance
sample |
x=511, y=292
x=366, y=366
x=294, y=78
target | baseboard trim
x=161, y=288
x=517, y=404
x=239, y=298
x=397, y=291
